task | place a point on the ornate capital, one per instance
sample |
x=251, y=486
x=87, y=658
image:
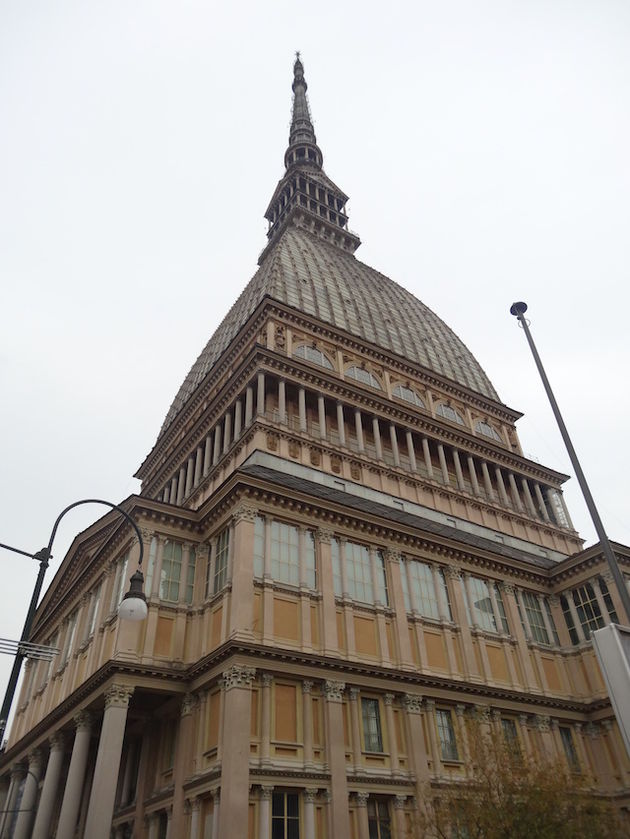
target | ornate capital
x=238, y=676
x=412, y=703
x=481, y=713
x=333, y=691
x=267, y=680
x=216, y=795
x=310, y=796
x=508, y=588
x=542, y=722
x=429, y=704
x=244, y=512
x=392, y=555
x=323, y=535
x=118, y=696
x=389, y=698
x=188, y=704
x=554, y=600
x=35, y=761
x=202, y=550
x=399, y=802
x=83, y=720
x=460, y=710
x=58, y=741
x=266, y=792
x=607, y=725
x=524, y=720
x=307, y=687
x=353, y=693
x=362, y=798
x=195, y=803
x=592, y=730
x=452, y=572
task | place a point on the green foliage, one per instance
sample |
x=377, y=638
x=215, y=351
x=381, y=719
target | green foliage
x=508, y=796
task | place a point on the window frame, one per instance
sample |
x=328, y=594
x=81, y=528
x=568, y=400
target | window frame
x=449, y=748
x=371, y=728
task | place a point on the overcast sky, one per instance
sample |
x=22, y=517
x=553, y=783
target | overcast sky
x=485, y=150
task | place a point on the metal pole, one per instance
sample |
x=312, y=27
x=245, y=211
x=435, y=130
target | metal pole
x=44, y=557
x=518, y=310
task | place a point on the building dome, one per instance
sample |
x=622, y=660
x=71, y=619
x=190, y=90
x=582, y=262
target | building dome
x=323, y=281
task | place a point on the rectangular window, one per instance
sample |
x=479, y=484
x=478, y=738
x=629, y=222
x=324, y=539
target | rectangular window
x=190, y=574
x=510, y=736
x=612, y=612
x=423, y=592
x=259, y=547
x=372, y=735
x=568, y=618
x=501, y=609
x=171, y=571
x=446, y=735
x=360, y=575
x=587, y=609
x=48, y=666
x=221, y=554
x=69, y=640
x=148, y=578
x=379, y=819
x=284, y=545
x=285, y=815
x=95, y=599
x=479, y=605
x=120, y=582
x=552, y=623
x=535, y=618
x=566, y=735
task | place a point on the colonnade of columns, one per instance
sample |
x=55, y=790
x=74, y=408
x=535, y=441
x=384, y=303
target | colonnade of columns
x=373, y=436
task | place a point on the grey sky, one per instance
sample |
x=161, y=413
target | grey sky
x=484, y=147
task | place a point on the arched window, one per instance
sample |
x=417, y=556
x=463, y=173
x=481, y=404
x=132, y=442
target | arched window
x=314, y=355
x=449, y=413
x=487, y=430
x=363, y=376
x=408, y=395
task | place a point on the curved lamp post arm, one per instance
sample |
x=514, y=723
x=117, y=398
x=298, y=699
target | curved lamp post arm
x=44, y=556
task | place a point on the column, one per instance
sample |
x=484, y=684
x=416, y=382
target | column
x=265, y=720
x=443, y=466
x=76, y=776
x=234, y=816
x=172, y=498
x=542, y=723
x=576, y=620
x=529, y=501
x=101, y=806
x=516, y=627
x=473, y=475
x=249, y=404
x=302, y=408
x=487, y=482
x=238, y=418
x=501, y=484
x=429, y=705
x=190, y=476
x=309, y=813
x=391, y=732
x=195, y=826
x=469, y=660
x=216, y=454
x=355, y=725
x=416, y=748
x=399, y=814
x=260, y=394
x=321, y=415
x=17, y=776
x=458, y=470
x=227, y=431
x=282, y=401
x=182, y=764
x=216, y=812
x=48, y=798
x=341, y=426
x=392, y=561
x=181, y=485
x=358, y=424
x=307, y=723
x=376, y=433
x=328, y=612
x=333, y=713
x=394, y=441
x=242, y=572
x=361, y=799
x=515, y=496
x=24, y=821
x=207, y=454
x=410, y=451
x=264, y=812
x=198, y=466
x=546, y=620
x=427, y=457
x=541, y=502
x=439, y=593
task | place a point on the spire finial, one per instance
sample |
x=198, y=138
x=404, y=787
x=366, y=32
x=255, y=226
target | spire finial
x=302, y=134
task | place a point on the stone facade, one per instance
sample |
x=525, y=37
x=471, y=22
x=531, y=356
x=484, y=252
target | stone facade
x=345, y=552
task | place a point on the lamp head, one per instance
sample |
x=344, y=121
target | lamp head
x=134, y=604
x=518, y=309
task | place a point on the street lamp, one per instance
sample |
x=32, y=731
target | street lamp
x=133, y=606
x=518, y=310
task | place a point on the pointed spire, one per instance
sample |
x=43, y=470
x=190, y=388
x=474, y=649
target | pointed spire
x=302, y=141
x=306, y=197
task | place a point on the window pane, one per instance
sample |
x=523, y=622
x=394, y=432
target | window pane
x=446, y=733
x=372, y=737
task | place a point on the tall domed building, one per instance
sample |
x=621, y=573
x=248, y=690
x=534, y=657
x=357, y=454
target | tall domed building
x=346, y=553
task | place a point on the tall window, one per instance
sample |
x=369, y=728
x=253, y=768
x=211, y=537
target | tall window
x=408, y=395
x=95, y=599
x=535, y=617
x=120, y=581
x=171, y=571
x=69, y=640
x=291, y=552
x=587, y=608
x=359, y=374
x=190, y=574
x=568, y=618
x=48, y=666
x=363, y=569
x=481, y=608
x=314, y=355
x=566, y=735
x=379, y=819
x=221, y=554
x=423, y=594
x=510, y=736
x=372, y=735
x=148, y=577
x=449, y=413
x=285, y=815
x=446, y=734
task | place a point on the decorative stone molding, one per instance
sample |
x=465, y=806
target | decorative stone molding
x=83, y=720
x=555, y=724
x=508, y=588
x=389, y=698
x=244, y=512
x=392, y=555
x=323, y=535
x=58, y=741
x=327, y=796
x=554, y=600
x=592, y=730
x=194, y=804
x=35, y=761
x=310, y=796
x=412, y=703
x=542, y=722
x=333, y=691
x=267, y=680
x=118, y=696
x=266, y=792
x=362, y=798
x=189, y=702
x=481, y=713
x=353, y=693
x=238, y=676
x=452, y=572
x=202, y=550
x=307, y=687
x=399, y=802
x=429, y=704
